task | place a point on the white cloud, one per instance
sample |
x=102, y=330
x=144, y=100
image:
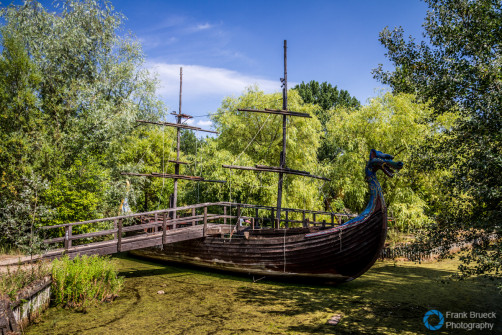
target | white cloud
x=207, y=81
x=204, y=123
x=203, y=26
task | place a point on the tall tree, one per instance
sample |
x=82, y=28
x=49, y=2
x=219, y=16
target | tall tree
x=325, y=97
x=459, y=69
x=394, y=124
x=79, y=87
x=253, y=138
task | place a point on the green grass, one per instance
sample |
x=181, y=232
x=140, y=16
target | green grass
x=82, y=281
x=391, y=298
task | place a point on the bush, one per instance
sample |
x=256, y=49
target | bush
x=84, y=280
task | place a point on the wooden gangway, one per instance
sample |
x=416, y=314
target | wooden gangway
x=157, y=228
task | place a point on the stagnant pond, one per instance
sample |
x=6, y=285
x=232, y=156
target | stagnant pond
x=391, y=298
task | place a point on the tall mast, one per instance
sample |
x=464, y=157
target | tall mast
x=284, y=123
x=282, y=168
x=178, y=131
x=178, y=125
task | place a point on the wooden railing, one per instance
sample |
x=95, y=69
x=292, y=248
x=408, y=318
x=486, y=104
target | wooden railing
x=160, y=225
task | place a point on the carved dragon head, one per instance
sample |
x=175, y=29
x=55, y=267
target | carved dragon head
x=379, y=160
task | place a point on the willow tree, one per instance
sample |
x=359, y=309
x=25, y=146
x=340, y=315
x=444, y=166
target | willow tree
x=247, y=139
x=396, y=125
x=86, y=85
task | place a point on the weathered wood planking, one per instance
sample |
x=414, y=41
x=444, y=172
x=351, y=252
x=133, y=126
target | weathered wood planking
x=141, y=241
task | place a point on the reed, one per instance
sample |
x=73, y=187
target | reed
x=82, y=281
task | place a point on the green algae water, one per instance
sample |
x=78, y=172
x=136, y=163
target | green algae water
x=391, y=298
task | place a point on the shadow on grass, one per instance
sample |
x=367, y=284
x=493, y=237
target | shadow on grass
x=387, y=300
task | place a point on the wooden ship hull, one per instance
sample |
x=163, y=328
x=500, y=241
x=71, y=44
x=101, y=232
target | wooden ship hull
x=339, y=254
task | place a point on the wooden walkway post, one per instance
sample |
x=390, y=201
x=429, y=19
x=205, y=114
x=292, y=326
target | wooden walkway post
x=164, y=227
x=224, y=214
x=313, y=218
x=205, y=221
x=67, y=237
x=332, y=220
x=287, y=219
x=119, y=237
x=304, y=223
x=193, y=214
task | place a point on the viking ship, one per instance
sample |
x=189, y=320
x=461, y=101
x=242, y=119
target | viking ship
x=341, y=253
x=270, y=246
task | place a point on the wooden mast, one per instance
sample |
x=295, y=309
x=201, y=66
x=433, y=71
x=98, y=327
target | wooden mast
x=284, y=124
x=178, y=125
x=178, y=130
x=282, y=168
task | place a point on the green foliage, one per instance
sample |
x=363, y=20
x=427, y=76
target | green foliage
x=13, y=281
x=395, y=125
x=189, y=143
x=253, y=138
x=76, y=194
x=148, y=149
x=325, y=98
x=84, y=280
x=70, y=92
x=459, y=70
x=20, y=139
x=21, y=215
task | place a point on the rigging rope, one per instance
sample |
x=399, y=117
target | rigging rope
x=247, y=146
x=163, y=162
x=235, y=160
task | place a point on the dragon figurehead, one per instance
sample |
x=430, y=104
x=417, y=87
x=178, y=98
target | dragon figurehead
x=380, y=161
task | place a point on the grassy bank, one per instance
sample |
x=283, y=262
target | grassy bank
x=14, y=279
x=391, y=298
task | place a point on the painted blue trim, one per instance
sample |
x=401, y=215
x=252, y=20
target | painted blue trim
x=375, y=192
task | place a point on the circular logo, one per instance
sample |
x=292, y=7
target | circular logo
x=438, y=314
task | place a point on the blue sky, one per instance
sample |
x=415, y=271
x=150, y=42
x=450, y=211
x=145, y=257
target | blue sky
x=225, y=46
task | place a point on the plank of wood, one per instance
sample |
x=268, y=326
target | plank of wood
x=178, y=125
x=177, y=162
x=275, y=111
x=275, y=169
